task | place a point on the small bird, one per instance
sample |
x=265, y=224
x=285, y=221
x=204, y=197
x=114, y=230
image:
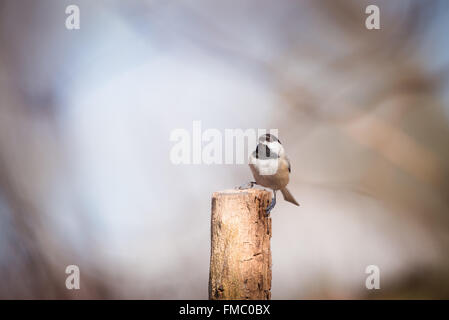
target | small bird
x=271, y=168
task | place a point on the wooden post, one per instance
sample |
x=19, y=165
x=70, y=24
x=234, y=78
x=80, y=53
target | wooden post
x=240, y=262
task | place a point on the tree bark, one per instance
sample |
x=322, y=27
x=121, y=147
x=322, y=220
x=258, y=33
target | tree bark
x=240, y=263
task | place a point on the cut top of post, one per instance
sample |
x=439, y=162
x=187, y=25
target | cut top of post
x=240, y=265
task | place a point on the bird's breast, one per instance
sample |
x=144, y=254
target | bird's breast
x=270, y=173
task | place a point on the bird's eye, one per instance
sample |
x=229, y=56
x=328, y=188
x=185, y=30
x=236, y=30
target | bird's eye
x=270, y=138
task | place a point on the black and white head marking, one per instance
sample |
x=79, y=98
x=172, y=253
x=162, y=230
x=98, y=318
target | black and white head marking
x=273, y=144
x=268, y=137
x=264, y=152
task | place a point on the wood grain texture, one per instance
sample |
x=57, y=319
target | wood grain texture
x=240, y=263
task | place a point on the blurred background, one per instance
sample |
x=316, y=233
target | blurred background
x=86, y=116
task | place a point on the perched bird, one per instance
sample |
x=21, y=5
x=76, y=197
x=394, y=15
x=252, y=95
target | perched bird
x=271, y=168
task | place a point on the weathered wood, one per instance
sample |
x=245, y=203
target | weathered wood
x=240, y=263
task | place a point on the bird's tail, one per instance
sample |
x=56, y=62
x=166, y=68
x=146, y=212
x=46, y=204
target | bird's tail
x=288, y=196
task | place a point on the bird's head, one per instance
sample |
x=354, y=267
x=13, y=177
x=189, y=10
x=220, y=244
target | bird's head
x=272, y=144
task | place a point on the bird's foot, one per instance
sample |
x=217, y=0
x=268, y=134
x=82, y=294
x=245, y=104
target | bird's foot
x=248, y=185
x=272, y=204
